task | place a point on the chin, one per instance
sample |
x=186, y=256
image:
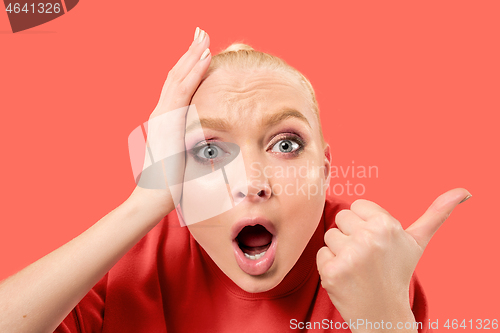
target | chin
x=259, y=283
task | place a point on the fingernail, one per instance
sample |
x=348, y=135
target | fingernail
x=205, y=54
x=201, y=36
x=196, y=33
x=465, y=199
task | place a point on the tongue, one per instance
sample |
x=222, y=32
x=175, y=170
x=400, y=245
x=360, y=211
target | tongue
x=255, y=236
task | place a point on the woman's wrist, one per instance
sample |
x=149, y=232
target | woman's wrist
x=398, y=319
x=152, y=205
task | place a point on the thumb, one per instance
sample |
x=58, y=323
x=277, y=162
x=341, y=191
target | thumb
x=424, y=228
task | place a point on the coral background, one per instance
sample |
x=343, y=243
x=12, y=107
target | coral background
x=410, y=87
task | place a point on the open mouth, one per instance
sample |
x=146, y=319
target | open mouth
x=254, y=246
x=254, y=241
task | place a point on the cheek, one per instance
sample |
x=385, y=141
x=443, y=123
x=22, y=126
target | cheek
x=205, y=197
x=300, y=214
x=300, y=192
x=300, y=182
x=211, y=236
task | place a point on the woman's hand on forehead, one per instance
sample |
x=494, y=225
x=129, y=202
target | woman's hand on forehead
x=185, y=77
x=167, y=124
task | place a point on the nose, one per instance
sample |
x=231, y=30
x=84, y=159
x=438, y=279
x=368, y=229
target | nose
x=258, y=191
x=257, y=187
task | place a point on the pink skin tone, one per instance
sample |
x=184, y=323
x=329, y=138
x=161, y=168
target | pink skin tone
x=367, y=264
x=244, y=100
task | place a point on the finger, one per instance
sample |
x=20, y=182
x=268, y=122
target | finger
x=182, y=59
x=347, y=221
x=426, y=226
x=324, y=256
x=366, y=209
x=335, y=240
x=183, y=66
x=193, y=79
x=191, y=57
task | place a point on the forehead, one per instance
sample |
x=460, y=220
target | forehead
x=237, y=95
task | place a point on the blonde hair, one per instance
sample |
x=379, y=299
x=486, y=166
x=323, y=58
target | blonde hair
x=243, y=56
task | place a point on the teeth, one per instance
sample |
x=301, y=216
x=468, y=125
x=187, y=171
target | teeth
x=255, y=257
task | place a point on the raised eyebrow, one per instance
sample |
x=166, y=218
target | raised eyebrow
x=217, y=124
x=220, y=124
x=285, y=113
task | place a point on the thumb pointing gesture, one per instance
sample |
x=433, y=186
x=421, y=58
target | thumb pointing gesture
x=424, y=228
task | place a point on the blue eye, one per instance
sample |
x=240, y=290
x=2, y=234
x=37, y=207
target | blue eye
x=208, y=156
x=285, y=146
x=208, y=152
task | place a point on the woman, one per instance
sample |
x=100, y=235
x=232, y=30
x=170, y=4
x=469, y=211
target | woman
x=286, y=256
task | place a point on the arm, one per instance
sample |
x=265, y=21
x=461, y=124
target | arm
x=38, y=298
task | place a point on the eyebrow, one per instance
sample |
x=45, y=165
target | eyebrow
x=222, y=125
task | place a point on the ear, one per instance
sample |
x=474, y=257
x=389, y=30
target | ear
x=327, y=163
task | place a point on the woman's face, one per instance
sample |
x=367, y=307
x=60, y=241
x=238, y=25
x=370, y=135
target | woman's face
x=268, y=115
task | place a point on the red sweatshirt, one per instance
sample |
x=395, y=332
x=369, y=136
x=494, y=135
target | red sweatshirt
x=168, y=283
